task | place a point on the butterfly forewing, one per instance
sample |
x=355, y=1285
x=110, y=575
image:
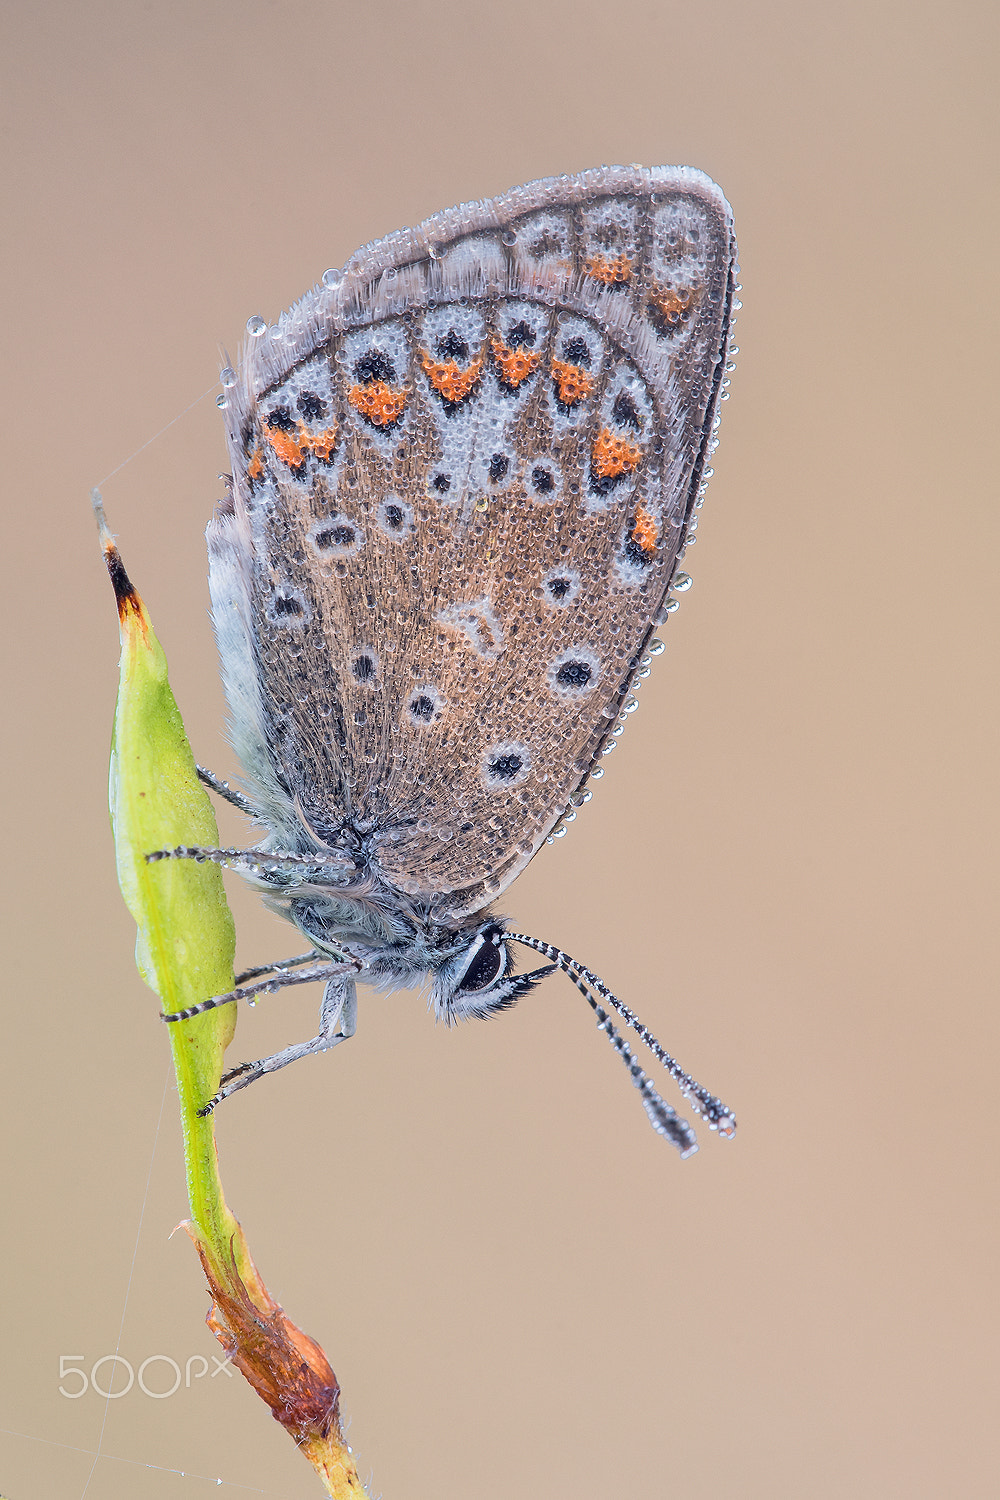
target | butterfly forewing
x=466, y=465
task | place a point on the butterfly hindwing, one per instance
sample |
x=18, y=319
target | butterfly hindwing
x=464, y=469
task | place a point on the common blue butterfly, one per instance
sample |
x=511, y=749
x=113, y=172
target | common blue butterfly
x=465, y=468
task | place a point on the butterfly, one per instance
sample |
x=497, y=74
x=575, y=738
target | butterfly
x=465, y=468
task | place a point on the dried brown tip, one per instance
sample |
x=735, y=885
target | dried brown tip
x=285, y=1366
x=127, y=599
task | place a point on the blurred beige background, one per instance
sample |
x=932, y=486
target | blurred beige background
x=788, y=870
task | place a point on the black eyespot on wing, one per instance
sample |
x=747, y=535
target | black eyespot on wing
x=561, y=586
x=575, y=352
x=574, y=674
x=286, y=605
x=542, y=480
x=374, y=365
x=442, y=483
x=624, y=412
x=393, y=515
x=311, y=406
x=281, y=418
x=422, y=708
x=505, y=767
x=339, y=535
x=364, y=668
x=637, y=555
x=452, y=347
x=521, y=336
x=499, y=464
x=547, y=242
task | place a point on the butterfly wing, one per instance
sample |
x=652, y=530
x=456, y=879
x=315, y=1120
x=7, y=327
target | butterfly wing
x=463, y=473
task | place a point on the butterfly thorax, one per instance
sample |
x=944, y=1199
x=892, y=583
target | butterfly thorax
x=468, y=964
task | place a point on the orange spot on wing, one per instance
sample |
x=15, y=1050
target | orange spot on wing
x=322, y=443
x=645, y=529
x=378, y=402
x=255, y=468
x=515, y=364
x=672, y=303
x=611, y=455
x=288, y=446
x=448, y=378
x=573, y=383
x=609, y=272
x=294, y=448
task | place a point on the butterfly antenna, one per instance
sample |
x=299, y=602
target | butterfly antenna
x=664, y=1119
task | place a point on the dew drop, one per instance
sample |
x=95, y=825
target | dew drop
x=681, y=582
x=227, y=378
x=631, y=704
x=597, y=773
x=435, y=250
x=559, y=833
x=656, y=647
x=256, y=326
x=671, y=607
x=509, y=237
x=332, y=279
x=222, y=402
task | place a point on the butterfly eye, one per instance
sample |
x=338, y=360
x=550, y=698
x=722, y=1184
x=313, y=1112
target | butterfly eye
x=488, y=962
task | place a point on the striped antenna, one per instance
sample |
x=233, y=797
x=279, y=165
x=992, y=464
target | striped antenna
x=664, y=1120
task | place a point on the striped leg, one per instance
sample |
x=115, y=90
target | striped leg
x=337, y=1021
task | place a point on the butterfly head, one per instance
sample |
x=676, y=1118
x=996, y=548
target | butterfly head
x=474, y=979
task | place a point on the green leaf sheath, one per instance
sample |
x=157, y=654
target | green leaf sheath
x=186, y=939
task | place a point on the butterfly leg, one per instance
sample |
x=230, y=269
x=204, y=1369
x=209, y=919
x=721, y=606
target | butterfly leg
x=259, y=864
x=338, y=1015
x=223, y=789
x=280, y=967
x=329, y=969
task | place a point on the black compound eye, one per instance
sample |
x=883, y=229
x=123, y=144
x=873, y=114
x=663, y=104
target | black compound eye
x=487, y=964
